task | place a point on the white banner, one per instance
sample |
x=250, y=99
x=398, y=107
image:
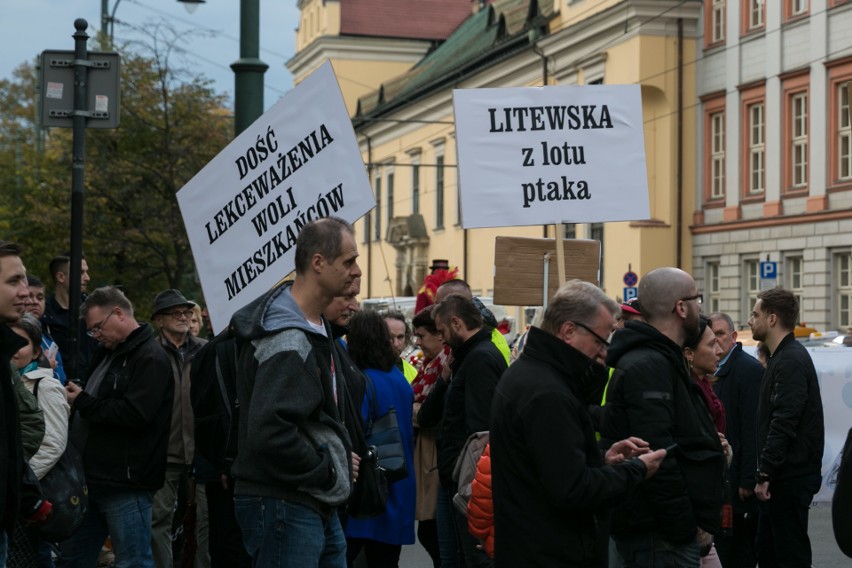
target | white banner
x=543, y=155
x=243, y=212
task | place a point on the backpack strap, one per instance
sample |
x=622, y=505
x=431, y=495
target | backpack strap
x=35, y=388
x=374, y=406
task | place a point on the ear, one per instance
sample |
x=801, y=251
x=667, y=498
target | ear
x=688, y=353
x=60, y=277
x=734, y=334
x=566, y=330
x=317, y=262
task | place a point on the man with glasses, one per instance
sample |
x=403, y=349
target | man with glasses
x=171, y=315
x=120, y=425
x=671, y=519
x=551, y=485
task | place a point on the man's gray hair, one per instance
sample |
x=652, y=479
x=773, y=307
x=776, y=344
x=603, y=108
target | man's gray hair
x=576, y=301
x=107, y=297
x=724, y=317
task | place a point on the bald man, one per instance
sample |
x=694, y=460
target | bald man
x=671, y=519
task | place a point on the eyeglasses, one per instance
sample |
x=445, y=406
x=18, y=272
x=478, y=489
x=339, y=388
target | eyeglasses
x=699, y=299
x=99, y=327
x=180, y=314
x=604, y=342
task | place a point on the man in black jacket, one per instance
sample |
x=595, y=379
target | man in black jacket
x=550, y=483
x=790, y=434
x=462, y=405
x=671, y=518
x=120, y=424
x=738, y=386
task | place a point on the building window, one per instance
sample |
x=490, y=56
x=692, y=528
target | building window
x=367, y=224
x=439, y=192
x=570, y=231
x=717, y=155
x=714, y=28
x=797, y=8
x=840, y=126
x=799, y=142
x=415, y=188
x=756, y=131
x=714, y=291
x=796, y=127
x=378, y=210
x=714, y=149
x=596, y=232
x=753, y=15
x=390, y=197
x=843, y=282
x=795, y=266
x=751, y=277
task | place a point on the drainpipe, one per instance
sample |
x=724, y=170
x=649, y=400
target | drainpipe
x=679, y=182
x=369, y=237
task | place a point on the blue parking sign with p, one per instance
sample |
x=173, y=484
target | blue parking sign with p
x=768, y=269
x=630, y=293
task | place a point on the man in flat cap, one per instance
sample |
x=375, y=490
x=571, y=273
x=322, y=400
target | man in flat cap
x=171, y=315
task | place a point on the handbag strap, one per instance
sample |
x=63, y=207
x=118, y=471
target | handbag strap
x=374, y=406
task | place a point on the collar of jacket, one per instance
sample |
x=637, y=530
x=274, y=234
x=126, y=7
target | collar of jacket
x=736, y=350
x=484, y=334
x=788, y=339
x=584, y=376
x=10, y=343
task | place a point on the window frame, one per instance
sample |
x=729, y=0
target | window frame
x=794, y=87
x=715, y=15
x=751, y=99
x=749, y=9
x=839, y=77
x=714, y=106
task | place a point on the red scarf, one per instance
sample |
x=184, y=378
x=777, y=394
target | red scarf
x=430, y=371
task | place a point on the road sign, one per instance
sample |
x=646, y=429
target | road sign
x=631, y=279
x=630, y=292
x=57, y=89
x=768, y=269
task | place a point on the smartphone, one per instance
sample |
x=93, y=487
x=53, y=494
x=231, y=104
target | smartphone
x=671, y=448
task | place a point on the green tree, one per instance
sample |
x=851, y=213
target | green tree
x=172, y=124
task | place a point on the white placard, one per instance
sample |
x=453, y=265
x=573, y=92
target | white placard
x=298, y=162
x=542, y=155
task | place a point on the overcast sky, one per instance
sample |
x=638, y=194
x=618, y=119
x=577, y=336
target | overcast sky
x=210, y=34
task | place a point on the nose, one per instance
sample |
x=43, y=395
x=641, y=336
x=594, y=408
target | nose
x=356, y=270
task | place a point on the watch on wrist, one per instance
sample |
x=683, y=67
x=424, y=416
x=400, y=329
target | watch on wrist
x=762, y=477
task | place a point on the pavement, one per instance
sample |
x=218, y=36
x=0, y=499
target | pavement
x=826, y=554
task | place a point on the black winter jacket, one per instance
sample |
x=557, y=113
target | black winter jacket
x=551, y=489
x=657, y=401
x=464, y=404
x=738, y=387
x=790, y=427
x=129, y=418
x=11, y=451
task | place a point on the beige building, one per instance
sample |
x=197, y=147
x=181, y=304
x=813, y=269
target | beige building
x=399, y=90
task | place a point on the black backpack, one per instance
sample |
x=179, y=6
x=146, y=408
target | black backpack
x=213, y=393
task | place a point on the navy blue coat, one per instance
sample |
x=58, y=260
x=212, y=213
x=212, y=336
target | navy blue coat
x=738, y=387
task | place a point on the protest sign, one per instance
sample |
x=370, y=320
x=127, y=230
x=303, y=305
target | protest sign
x=544, y=155
x=519, y=268
x=243, y=212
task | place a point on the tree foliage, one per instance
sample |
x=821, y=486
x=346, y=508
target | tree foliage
x=172, y=123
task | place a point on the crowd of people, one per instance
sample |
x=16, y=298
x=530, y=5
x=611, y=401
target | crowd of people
x=626, y=435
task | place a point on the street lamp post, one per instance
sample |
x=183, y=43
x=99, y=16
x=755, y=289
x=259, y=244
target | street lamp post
x=108, y=19
x=248, y=69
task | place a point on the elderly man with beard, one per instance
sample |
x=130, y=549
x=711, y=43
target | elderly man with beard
x=552, y=486
x=670, y=520
x=461, y=403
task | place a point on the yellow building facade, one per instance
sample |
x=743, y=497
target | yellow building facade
x=404, y=125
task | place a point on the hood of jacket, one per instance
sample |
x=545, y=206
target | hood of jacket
x=637, y=334
x=585, y=377
x=270, y=313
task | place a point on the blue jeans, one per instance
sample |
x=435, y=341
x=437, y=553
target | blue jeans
x=782, y=527
x=448, y=539
x=124, y=515
x=289, y=535
x=649, y=550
